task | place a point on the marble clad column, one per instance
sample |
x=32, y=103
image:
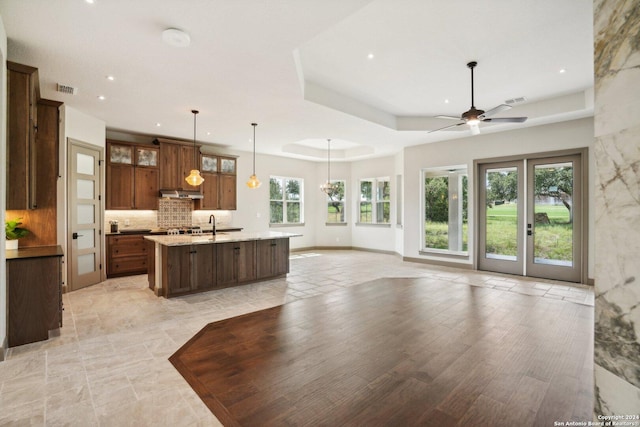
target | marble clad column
x=617, y=205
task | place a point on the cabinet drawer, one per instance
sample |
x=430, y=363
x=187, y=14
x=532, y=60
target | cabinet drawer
x=125, y=246
x=128, y=265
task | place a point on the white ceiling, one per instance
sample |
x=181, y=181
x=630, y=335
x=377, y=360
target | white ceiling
x=300, y=68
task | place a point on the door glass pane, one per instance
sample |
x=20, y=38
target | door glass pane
x=86, y=239
x=85, y=189
x=553, y=231
x=85, y=214
x=84, y=164
x=502, y=213
x=86, y=264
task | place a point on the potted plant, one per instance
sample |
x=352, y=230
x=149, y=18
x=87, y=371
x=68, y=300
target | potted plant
x=13, y=232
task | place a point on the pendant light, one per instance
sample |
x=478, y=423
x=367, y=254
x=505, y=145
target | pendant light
x=328, y=187
x=254, y=182
x=194, y=177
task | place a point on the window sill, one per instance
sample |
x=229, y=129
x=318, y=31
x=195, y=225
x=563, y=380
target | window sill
x=297, y=224
x=371, y=224
x=444, y=253
x=336, y=224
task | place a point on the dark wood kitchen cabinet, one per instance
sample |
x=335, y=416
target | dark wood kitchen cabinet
x=22, y=124
x=188, y=269
x=220, y=181
x=132, y=176
x=236, y=262
x=34, y=294
x=272, y=258
x=126, y=255
x=176, y=161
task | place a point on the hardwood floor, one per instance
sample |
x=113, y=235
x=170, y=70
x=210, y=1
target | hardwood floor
x=398, y=352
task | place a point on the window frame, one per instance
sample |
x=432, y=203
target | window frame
x=460, y=171
x=328, y=201
x=285, y=202
x=374, y=201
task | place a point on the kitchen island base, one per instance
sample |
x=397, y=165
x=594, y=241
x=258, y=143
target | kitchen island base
x=182, y=265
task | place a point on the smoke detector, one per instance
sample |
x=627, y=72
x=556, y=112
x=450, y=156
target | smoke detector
x=175, y=37
x=70, y=90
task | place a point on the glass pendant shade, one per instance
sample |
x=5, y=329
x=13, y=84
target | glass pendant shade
x=194, y=177
x=254, y=182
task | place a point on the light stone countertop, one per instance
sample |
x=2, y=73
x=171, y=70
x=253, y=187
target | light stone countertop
x=206, y=239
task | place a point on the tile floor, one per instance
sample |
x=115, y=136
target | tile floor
x=109, y=365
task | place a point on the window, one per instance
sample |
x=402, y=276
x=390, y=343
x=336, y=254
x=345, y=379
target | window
x=375, y=206
x=285, y=200
x=335, y=203
x=445, y=226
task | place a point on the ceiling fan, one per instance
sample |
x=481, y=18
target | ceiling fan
x=473, y=116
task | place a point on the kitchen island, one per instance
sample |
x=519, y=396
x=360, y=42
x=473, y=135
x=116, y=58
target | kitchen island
x=185, y=264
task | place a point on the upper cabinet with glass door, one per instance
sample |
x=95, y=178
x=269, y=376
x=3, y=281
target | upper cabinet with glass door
x=147, y=156
x=228, y=165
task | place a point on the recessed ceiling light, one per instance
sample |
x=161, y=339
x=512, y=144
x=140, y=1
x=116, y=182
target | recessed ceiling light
x=175, y=37
x=370, y=56
x=446, y=101
x=101, y=97
x=158, y=124
x=90, y=1
x=562, y=71
x=110, y=78
x=208, y=133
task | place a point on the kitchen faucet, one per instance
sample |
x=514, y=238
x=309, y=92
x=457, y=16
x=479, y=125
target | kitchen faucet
x=212, y=220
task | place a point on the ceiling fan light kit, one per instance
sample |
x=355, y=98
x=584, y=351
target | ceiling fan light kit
x=474, y=116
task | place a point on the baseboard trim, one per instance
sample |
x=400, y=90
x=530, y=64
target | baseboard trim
x=344, y=248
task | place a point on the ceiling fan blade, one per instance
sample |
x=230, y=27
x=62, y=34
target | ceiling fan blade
x=446, y=127
x=506, y=120
x=500, y=108
x=447, y=117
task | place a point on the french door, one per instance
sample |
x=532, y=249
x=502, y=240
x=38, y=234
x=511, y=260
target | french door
x=531, y=217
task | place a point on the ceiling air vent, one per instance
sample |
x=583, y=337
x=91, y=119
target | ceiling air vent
x=67, y=89
x=512, y=101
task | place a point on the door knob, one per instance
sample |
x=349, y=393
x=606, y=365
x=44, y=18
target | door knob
x=74, y=236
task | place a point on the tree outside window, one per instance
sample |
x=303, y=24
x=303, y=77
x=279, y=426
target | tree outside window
x=335, y=203
x=285, y=206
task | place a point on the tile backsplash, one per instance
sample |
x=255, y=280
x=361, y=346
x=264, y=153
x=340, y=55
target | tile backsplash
x=174, y=212
x=171, y=213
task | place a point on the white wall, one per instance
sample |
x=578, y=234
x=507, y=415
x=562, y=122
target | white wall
x=253, y=205
x=3, y=185
x=333, y=235
x=81, y=127
x=554, y=137
x=376, y=237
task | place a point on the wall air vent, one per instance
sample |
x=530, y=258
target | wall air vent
x=67, y=89
x=512, y=101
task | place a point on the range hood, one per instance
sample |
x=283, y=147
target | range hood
x=181, y=194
